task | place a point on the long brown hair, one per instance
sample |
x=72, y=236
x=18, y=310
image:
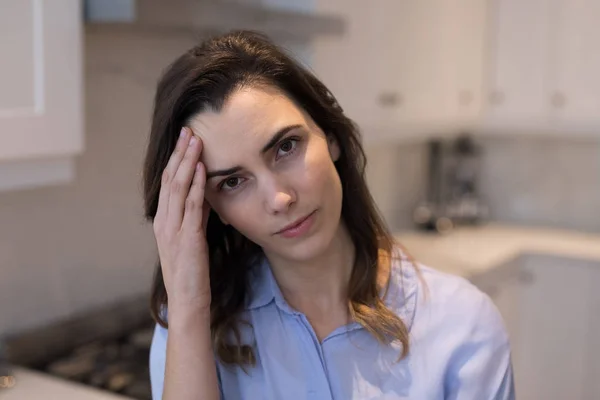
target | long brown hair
x=203, y=78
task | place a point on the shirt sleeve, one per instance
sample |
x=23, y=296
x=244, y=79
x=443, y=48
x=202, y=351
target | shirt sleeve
x=481, y=368
x=158, y=354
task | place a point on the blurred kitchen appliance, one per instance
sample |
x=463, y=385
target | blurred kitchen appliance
x=429, y=213
x=452, y=197
x=463, y=203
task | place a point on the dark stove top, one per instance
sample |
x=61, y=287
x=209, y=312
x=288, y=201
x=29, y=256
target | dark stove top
x=107, y=348
x=119, y=365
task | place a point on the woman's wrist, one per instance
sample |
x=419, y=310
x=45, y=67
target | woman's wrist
x=186, y=312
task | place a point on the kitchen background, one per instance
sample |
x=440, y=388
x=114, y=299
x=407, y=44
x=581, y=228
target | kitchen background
x=519, y=77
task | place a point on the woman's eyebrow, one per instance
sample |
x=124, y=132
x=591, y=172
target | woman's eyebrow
x=270, y=144
x=277, y=137
x=222, y=172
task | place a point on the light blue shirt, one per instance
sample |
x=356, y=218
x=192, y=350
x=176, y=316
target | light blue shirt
x=459, y=347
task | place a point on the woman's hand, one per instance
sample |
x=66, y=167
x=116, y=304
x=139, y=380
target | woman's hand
x=180, y=225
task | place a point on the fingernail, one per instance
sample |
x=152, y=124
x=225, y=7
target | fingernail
x=193, y=140
x=182, y=132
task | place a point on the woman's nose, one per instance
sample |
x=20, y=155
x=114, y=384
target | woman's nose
x=280, y=196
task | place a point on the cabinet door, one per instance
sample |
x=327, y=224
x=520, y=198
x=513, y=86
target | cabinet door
x=576, y=91
x=417, y=56
x=592, y=360
x=351, y=66
x=466, y=64
x=505, y=286
x=553, y=330
x=519, y=73
x=550, y=308
x=435, y=67
x=41, y=106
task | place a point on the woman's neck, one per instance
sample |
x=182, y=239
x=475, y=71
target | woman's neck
x=319, y=287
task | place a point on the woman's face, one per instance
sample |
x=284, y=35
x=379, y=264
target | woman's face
x=269, y=166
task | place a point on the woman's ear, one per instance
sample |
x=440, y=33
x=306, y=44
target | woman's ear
x=334, y=147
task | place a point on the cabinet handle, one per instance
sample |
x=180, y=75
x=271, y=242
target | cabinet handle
x=497, y=97
x=390, y=99
x=558, y=100
x=465, y=97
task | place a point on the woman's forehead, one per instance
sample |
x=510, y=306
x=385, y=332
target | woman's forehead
x=248, y=113
x=246, y=122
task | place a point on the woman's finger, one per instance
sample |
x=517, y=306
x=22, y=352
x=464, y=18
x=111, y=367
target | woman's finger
x=205, y=213
x=195, y=202
x=169, y=174
x=180, y=186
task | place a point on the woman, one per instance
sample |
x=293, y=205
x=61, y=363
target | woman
x=282, y=279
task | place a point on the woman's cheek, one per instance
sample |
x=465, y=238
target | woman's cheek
x=240, y=214
x=321, y=173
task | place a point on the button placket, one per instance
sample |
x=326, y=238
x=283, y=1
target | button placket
x=319, y=388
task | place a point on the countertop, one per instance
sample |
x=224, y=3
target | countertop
x=33, y=385
x=469, y=250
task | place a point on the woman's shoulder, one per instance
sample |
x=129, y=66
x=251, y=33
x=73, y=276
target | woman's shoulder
x=445, y=299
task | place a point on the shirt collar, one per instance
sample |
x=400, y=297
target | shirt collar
x=264, y=288
x=402, y=293
x=400, y=298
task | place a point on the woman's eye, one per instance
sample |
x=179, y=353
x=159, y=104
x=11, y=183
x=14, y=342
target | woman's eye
x=230, y=183
x=287, y=147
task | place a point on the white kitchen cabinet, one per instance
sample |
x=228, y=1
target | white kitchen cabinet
x=518, y=74
x=543, y=68
x=41, y=104
x=468, y=51
x=504, y=285
x=430, y=67
x=575, y=97
x=592, y=357
x=352, y=65
x=417, y=69
x=405, y=68
x=436, y=61
x=550, y=306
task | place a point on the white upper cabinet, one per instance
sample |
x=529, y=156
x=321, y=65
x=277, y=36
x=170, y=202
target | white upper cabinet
x=405, y=67
x=468, y=50
x=419, y=56
x=544, y=63
x=431, y=67
x=575, y=97
x=519, y=50
x=436, y=61
x=41, y=105
x=352, y=65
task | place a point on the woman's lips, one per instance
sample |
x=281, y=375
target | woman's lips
x=299, y=228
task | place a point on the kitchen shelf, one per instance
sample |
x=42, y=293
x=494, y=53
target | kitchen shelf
x=206, y=17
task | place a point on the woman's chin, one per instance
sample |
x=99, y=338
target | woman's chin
x=306, y=248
